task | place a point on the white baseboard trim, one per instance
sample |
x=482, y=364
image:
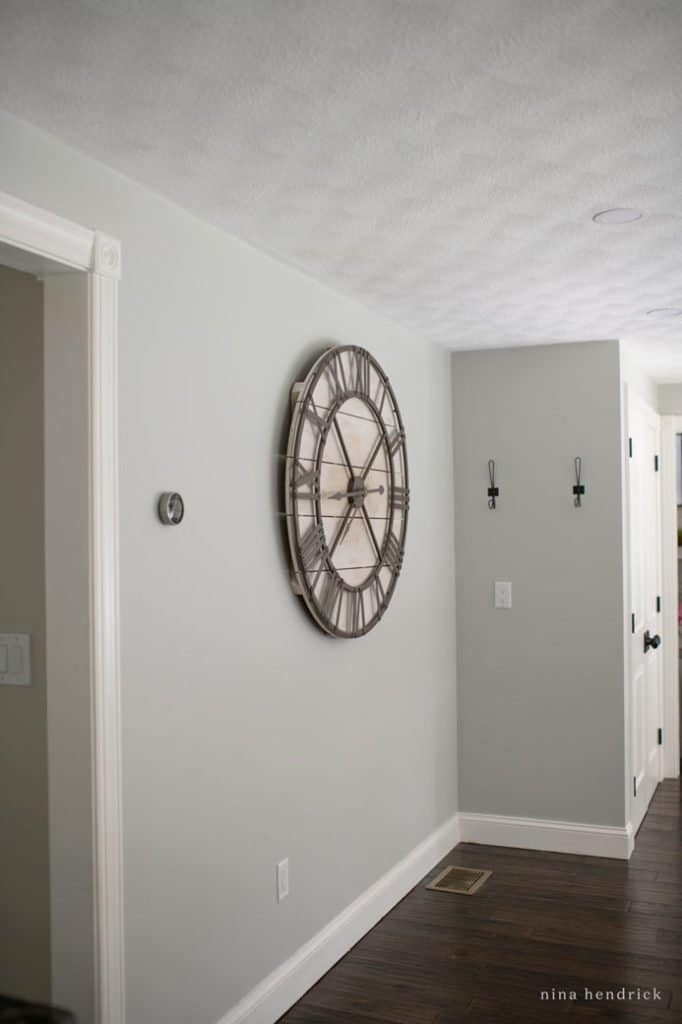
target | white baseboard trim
x=631, y=839
x=286, y=984
x=554, y=836
x=273, y=996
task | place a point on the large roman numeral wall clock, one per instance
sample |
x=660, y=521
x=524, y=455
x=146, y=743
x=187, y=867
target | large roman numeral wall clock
x=346, y=491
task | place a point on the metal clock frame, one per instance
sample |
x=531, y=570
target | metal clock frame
x=389, y=557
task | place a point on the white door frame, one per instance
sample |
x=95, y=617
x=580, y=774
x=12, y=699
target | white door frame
x=670, y=426
x=629, y=398
x=36, y=231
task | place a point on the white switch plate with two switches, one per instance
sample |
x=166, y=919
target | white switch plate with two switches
x=15, y=659
x=502, y=594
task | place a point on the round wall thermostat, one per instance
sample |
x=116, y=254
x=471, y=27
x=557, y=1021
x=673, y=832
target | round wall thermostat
x=171, y=508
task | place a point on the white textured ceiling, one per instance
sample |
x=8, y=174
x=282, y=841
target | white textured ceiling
x=438, y=161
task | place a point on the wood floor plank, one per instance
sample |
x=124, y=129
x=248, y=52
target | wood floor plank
x=543, y=923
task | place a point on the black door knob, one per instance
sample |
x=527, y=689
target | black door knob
x=651, y=641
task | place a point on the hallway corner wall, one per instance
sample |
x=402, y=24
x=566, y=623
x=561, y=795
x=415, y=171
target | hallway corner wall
x=540, y=685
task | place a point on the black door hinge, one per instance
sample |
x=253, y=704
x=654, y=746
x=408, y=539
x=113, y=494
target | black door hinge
x=660, y=737
x=630, y=446
x=634, y=787
x=633, y=622
x=658, y=603
x=655, y=463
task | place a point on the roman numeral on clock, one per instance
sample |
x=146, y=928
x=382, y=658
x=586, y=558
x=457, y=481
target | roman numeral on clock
x=305, y=477
x=395, y=441
x=330, y=598
x=317, y=422
x=354, y=608
x=377, y=592
x=359, y=372
x=336, y=379
x=392, y=556
x=312, y=547
x=400, y=497
x=381, y=396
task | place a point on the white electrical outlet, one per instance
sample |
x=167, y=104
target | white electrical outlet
x=282, y=880
x=502, y=594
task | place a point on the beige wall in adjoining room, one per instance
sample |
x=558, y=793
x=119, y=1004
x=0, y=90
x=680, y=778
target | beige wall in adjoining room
x=24, y=846
x=69, y=706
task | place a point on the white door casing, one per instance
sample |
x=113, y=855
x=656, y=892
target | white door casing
x=644, y=579
x=670, y=427
x=32, y=230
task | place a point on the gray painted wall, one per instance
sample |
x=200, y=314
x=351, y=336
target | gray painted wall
x=540, y=686
x=670, y=399
x=248, y=736
x=24, y=848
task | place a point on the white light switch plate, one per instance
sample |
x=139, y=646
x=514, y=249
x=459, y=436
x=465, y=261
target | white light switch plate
x=502, y=594
x=15, y=659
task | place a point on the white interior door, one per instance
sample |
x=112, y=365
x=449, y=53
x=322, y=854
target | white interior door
x=645, y=589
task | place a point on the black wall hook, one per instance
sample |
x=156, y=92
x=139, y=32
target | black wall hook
x=578, y=487
x=493, y=491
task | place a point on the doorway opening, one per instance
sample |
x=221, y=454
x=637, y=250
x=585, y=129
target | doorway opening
x=678, y=503
x=47, y=941
x=62, y=942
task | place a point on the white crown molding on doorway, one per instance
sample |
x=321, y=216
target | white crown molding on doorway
x=550, y=836
x=106, y=256
x=33, y=230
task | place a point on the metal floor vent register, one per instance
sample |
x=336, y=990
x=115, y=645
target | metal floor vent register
x=464, y=881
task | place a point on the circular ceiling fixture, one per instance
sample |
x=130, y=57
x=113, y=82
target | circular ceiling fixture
x=619, y=215
x=665, y=313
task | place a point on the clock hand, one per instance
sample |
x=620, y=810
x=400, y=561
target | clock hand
x=338, y=495
x=342, y=444
x=372, y=534
x=373, y=454
x=343, y=528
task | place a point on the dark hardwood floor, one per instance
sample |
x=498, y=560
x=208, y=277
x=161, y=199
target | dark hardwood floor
x=543, y=921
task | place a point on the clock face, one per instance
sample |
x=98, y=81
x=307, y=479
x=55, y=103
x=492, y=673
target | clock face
x=346, y=491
